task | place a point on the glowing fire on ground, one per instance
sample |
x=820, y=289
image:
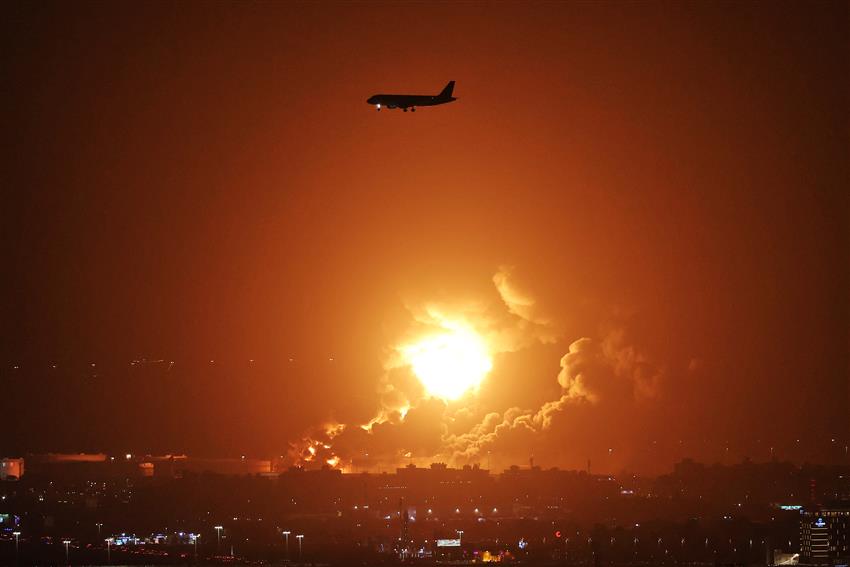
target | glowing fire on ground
x=449, y=363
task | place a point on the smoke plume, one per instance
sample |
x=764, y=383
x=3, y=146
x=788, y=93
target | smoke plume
x=597, y=377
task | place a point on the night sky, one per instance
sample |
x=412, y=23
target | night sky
x=195, y=182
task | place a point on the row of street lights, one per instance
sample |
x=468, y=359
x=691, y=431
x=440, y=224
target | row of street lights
x=299, y=537
x=109, y=541
x=67, y=543
x=286, y=533
x=17, y=535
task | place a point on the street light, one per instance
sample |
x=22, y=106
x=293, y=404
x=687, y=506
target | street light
x=218, y=534
x=286, y=535
x=67, y=543
x=17, y=535
x=99, y=525
x=299, y=537
x=195, y=541
x=109, y=541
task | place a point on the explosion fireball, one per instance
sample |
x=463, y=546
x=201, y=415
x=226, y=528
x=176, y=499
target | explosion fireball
x=449, y=364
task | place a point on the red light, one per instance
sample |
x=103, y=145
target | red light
x=558, y=534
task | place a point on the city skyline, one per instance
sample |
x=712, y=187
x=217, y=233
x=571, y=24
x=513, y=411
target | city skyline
x=88, y=510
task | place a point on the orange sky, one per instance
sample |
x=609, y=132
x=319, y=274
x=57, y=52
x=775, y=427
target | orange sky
x=205, y=181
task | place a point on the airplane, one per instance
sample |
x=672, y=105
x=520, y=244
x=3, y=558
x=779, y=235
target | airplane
x=412, y=101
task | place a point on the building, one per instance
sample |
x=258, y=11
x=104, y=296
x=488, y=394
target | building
x=11, y=469
x=824, y=535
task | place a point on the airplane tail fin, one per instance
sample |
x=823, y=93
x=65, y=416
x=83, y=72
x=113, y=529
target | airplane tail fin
x=447, y=92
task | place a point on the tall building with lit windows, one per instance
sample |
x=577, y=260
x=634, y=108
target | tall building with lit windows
x=824, y=535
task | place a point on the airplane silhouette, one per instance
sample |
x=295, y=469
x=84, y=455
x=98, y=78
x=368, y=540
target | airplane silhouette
x=412, y=101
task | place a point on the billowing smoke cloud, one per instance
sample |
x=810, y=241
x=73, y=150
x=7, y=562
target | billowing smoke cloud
x=610, y=368
x=597, y=376
x=591, y=372
x=520, y=302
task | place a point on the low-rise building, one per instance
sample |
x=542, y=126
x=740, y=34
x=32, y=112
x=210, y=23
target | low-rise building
x=824, y=534
x=11, y=469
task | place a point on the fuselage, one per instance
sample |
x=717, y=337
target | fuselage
x=407, y=101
